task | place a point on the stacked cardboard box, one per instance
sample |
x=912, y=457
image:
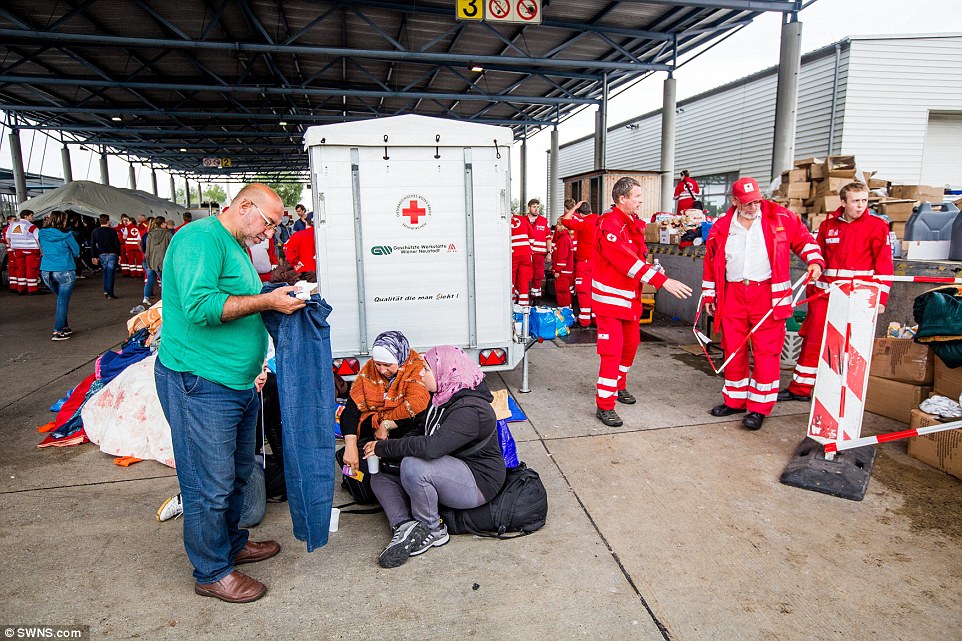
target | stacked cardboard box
x=942, y=450
x=900, y=377
x=812, y=188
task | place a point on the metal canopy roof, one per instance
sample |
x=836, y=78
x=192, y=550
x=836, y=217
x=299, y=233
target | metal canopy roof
x=172, y=82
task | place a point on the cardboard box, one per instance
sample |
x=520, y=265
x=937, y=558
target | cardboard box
x=648, y=291
x=826, y=204
x=899, y=229
x=814, y=220
x=795, y=176
x=894, y=399
x=653, y=233
x=897, y=210
x=904, y=360
x=948, y=382
x=817, y=172
x=922, y=193
x=799, y=190
x=878, y=183
x=831, y=186
x=942, y=451
x=840, y=166
x=806, y=162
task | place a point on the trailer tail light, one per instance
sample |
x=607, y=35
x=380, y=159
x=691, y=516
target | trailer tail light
x=489, y=357
x=346, y=366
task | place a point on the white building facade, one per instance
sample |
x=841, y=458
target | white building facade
x=894, y=102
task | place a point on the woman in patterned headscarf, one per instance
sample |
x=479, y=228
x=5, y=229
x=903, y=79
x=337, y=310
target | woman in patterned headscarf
x=457, y=462
x=387, y=397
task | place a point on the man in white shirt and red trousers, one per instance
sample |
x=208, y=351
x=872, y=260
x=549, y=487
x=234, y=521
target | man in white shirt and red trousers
x=746, y=274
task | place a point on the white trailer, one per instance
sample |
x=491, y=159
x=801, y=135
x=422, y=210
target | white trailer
x=412, y=219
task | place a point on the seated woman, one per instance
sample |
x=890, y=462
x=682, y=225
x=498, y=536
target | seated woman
x=456, y=463
x=387, y=397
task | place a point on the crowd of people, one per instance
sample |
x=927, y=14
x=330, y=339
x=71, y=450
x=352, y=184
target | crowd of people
x=425, y=423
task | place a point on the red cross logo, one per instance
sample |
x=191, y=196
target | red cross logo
x=413, y=212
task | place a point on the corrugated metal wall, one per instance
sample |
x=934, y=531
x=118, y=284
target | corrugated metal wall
x=893, y=84
x=729, y=129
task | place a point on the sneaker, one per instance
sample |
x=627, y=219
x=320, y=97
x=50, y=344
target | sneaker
x=110, y=297
x=609, y=417
x=146, y=302
x=59, y=336
x=170, y=509
x=67, y=331
x=407, y=537
x=434, y=539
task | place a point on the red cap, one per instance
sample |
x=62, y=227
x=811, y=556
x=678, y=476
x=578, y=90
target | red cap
x=745, y=190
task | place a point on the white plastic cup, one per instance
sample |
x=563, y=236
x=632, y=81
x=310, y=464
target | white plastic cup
x=335, y=518
x=373, y=464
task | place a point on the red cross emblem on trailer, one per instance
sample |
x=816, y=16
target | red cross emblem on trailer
x=413, y=211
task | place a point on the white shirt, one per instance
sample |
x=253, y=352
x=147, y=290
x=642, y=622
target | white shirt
x=746, y=257
x=260, y=257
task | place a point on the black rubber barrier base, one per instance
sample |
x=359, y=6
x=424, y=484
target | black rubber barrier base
x=846, y=476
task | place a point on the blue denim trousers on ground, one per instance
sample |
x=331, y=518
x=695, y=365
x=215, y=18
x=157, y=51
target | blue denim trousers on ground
x=61, y=284
x=212, y=429
x=305, y=383
x=108, y=263
x=150, y=280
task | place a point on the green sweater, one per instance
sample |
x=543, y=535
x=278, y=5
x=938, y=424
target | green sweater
x=204, y=265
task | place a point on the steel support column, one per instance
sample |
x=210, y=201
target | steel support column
x=104, y=173
x=601, y=129
x=524, y=172
x=667, y=144
x=67, y=169
x=153, y=180
x=200, y=195
x=555, y=209
x=173, y=189
x=131, y=177
x=187, y=193
x=16, y=157
x=786, y=98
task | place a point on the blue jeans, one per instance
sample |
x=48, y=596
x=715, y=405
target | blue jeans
x=108, y=263
x=212, y=429
x=150, y=280
x=61, y=284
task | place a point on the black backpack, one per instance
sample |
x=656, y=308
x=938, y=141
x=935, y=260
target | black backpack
x=521, y=506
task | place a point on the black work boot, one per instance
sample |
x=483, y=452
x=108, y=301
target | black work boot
x=609, y=417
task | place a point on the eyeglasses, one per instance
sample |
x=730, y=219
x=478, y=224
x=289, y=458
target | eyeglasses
x=267, y=221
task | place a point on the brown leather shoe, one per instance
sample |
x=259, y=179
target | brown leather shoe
x=257, y=551
x=236, y=587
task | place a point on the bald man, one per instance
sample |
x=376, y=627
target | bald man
x=213, y=350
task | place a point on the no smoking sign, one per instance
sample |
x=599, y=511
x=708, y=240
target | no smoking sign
x=522, y=11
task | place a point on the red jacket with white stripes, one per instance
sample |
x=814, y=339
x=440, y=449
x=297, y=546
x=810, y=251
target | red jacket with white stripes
x=784, y=233
x=538, y=232
x=132, y=237
x=619, y=267
x=586, y=232
x=520, y=236
x=857, y=248
x=562, y=252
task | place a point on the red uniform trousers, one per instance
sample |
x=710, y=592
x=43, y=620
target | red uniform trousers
x=123, y=263
x=135, y=261
x=583, y=291
x=537, y=276
x=24, y=270
x=617, y=344
x=562, y=289
x=756, y=389
x=521, y=278
x=803, y=380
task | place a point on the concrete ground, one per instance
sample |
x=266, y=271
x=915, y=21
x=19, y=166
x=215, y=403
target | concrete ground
x=672, y=527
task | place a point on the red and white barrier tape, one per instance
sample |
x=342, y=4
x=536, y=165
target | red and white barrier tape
x=835, y=446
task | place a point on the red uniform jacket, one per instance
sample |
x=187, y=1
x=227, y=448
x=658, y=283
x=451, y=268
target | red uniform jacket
x=858, y=248
x=538, y=232
x=687, y=201
x=784, y=233
x=586, y=232
x=300, y=251
x=132, y=236
x=562, y=252
x=619, y=267
x=520, y=236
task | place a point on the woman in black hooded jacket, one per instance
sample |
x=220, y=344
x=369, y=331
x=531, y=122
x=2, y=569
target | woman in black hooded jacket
x=457, y=462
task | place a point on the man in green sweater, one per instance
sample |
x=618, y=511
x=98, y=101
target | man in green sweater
x=212, y=348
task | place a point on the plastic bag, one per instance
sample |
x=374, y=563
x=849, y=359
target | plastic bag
x=508, y=448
